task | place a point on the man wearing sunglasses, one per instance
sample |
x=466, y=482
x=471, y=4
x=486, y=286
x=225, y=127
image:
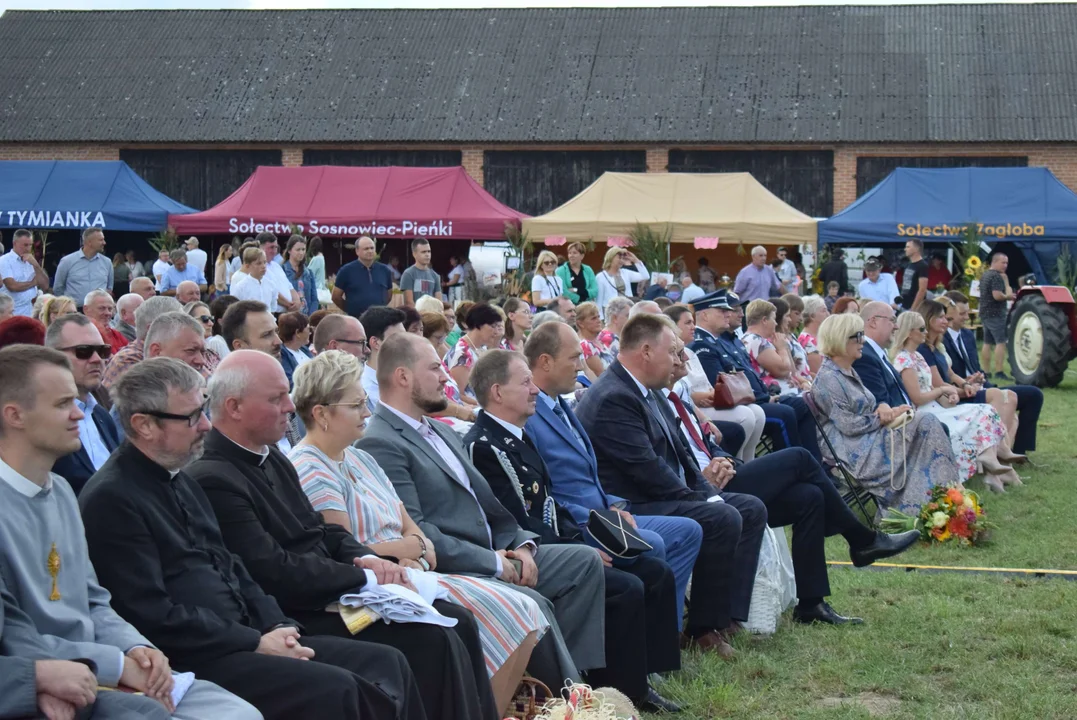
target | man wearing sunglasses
x=77, y=337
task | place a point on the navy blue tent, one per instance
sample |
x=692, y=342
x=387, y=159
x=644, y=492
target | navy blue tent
x=76, y=194
x=1028, y=207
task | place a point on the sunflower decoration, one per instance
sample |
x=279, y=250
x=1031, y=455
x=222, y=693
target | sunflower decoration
x=975, y=263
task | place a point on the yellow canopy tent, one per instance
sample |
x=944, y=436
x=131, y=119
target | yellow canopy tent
x=704, y=208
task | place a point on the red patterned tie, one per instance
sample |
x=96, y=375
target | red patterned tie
x=682, y=411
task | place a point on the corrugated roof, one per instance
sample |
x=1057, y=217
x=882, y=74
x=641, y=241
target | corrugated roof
x=947, y=73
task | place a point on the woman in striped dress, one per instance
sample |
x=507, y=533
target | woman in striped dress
x=348, y=488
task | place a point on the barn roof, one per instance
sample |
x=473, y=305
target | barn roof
x=946, y=73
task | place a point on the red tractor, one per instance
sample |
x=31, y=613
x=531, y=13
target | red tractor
x=1042, y=330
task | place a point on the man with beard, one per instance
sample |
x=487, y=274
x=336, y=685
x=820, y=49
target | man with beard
x=157, y=546
x=452, y=502
x=306, y=564
x=78, y=338
x=44, y=559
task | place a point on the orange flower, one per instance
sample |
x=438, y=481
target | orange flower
x=955, y=496
x=959, y=526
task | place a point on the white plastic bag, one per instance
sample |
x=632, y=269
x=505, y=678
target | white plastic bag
x=775, y=585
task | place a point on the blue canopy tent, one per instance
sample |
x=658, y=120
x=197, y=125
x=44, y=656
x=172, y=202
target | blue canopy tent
x=1028, y=207
x=76, y=194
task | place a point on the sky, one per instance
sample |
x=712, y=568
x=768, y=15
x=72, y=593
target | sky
x=371, y=4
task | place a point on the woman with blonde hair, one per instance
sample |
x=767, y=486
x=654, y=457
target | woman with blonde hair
x=577, y=279
x=517, y=324
x=616, y=315
x=220, y=268
x=897, y=466
x=39, y=305
x=428, y=304
x=546, y=286
x=814, y=314
x=56, y=306
x=596, y=356
x=977, y=435
x=348, y=487
x=620, y=268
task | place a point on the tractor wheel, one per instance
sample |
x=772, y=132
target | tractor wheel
x=1040, y=342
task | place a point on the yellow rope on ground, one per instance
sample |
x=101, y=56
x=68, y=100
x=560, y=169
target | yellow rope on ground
x=1040, y=572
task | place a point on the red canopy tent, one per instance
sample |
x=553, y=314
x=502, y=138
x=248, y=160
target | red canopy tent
x=336, y=201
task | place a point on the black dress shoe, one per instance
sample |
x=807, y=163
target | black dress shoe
x=885, y=546
x=822, y=613
x=652, y=702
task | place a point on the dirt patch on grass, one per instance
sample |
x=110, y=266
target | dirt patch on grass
x=875, y=704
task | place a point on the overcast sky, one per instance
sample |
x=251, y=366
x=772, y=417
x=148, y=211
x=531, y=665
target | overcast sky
x=301, y=4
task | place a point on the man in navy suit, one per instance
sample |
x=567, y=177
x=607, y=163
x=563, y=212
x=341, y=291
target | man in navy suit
x=79, y=339
x=873, y=366
x=553, y=353
x=961, y=347
x=639, y=460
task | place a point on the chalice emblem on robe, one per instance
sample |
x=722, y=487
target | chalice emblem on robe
x=54, y=571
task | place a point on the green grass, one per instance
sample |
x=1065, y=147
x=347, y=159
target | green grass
x=934, y=644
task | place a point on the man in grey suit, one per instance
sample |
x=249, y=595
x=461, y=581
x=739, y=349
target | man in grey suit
x=474, y=535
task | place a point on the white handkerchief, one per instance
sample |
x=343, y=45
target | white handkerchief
x=181, y=684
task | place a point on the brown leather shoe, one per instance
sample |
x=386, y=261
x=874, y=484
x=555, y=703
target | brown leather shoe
x=712, y=641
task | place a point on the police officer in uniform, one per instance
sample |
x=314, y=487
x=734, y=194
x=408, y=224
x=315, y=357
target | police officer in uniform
x=789, y=421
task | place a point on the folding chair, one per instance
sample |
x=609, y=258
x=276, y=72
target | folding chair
x=853, y=493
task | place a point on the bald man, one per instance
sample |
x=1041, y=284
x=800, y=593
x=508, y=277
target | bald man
x=188, y=291
x=124, y=322
x=143, y=286
x=304, y=563
x=363, y=282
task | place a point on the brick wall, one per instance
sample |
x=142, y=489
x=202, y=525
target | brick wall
x=472, y=160
x=58, y=152
x=1060, y=158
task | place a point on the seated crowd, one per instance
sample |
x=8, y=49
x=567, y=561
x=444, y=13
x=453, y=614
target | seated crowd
x=191, y=487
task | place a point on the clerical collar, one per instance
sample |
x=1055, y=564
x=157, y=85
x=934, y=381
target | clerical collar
x=148, y=466
x=255, y=458
x=516, y=431
x=20, y=483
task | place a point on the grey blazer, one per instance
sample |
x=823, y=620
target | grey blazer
x=435, y=499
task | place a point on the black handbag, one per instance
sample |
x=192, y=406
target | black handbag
x=614, y=535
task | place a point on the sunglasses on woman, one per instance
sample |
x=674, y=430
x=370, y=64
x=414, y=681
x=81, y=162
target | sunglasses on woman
x=205, y=319
x=859, y=337
x=85, y=352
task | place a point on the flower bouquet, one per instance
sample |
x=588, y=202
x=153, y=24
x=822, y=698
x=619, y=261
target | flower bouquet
x=949, y=514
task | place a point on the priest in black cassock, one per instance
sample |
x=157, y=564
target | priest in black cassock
x=305, y=563
x=156, y=546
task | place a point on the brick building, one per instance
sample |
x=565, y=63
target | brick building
x=819, y=103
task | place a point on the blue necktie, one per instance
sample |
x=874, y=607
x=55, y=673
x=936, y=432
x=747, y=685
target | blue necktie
x=560, y=412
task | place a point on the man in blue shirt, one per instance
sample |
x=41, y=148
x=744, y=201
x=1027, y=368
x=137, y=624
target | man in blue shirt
x=79, y=339
x=362, y=282
x=85, y=270
x=179, y=272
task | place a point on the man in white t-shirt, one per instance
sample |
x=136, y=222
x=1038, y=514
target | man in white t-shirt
x=160, y=266
x=690, y=292
x=21, y=275
x=196, y=257
x=287, y=298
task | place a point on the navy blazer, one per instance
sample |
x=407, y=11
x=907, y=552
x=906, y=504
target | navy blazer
x=636, y=459
x=958, y=364
x=573, y=467
x=881, y=379
x=289, y=363
x=76, y=467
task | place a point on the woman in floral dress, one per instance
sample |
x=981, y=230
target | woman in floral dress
x=349, y=489
x=485, y=328
x=977, y=434
x=770, y=356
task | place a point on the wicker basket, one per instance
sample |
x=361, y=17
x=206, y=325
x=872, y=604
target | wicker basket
x=531, y=695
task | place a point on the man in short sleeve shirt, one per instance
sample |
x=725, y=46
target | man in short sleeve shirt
x=995, y=293
x=363, y=282
x=21, y=276
x=914, y=281
x=420, y=279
